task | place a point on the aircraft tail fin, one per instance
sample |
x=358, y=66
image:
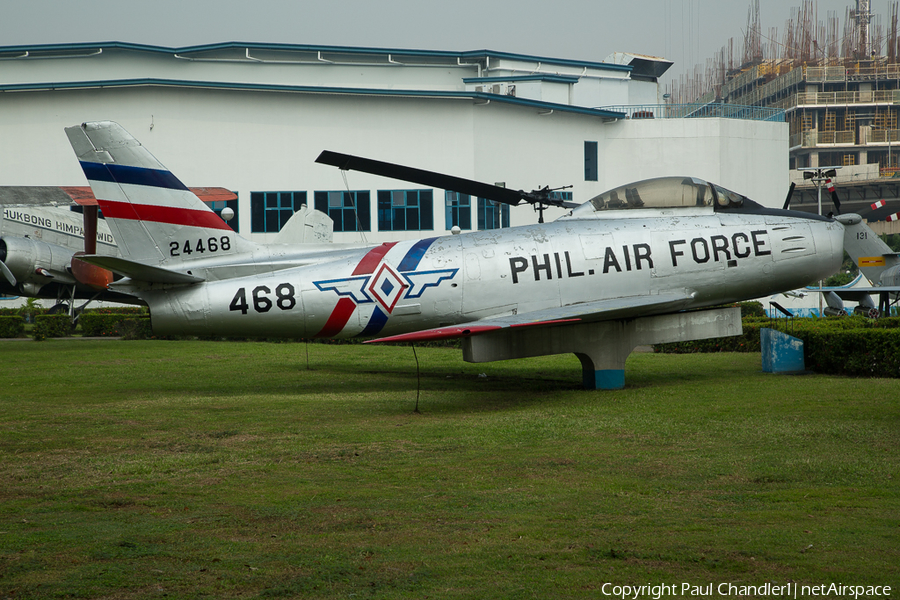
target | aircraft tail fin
x=306, y=226
x=154, y=217
x=867, y=250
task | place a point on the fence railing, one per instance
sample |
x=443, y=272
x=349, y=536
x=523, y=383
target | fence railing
x=810, y=139
x=699, y=111
x=884, y=97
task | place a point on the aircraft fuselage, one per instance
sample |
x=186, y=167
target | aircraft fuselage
x=716, y=257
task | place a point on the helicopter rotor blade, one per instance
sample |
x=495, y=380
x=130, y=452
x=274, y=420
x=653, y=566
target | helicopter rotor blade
x=787, y=201
x=836, y=201
x=347, y=162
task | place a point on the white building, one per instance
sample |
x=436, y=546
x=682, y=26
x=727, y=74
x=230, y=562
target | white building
x=253, y=117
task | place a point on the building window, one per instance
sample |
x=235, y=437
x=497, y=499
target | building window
x=350, y=211
x=458, y=210
x=590, y=161
x=220, y=205
x=405, y=210
x=78, y=208
x=269, y=211
x=492, y=215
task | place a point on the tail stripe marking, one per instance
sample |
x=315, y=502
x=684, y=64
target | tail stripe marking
x=162, y=214
x=128, y=175
x=125, y=174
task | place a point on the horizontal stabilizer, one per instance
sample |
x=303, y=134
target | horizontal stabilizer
x=599, y=310
x=139, y=271
x=859, y=293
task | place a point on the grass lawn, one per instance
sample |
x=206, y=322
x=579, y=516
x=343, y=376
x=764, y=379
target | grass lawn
x=230, y=470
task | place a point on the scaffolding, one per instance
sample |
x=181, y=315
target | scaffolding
x=806, y=41
x=837, y=85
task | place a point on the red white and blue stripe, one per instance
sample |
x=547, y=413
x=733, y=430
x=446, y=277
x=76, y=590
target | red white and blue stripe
x=375, y=281
x=110, y=182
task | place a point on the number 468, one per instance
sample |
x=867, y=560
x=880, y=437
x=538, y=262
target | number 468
x=262, y=303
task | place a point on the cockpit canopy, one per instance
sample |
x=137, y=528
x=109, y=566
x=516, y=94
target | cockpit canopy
x=664, y=192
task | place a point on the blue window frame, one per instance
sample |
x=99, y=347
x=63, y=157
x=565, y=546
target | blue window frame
x=269, y=211
x=350, y=211
x=220, y=205
x=458, y=210
x=80, y=210
x=591, y=171
x=405, y=210
x=492, y=215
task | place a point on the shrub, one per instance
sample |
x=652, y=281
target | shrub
x=135, y=328
x=97, y=324
x=118, y=310
x=12, y=326
x=854, y=346
x=752, y=308
x=864, y=352
x=51, y=326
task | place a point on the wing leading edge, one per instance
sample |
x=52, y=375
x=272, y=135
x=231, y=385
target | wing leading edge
x=140, y=271
x=598, y=310
x=859, y=293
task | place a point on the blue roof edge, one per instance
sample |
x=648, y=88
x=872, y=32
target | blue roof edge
x=23, y=87
x=470, y=54
x=545, y=77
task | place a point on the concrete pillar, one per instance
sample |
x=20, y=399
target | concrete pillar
x=602, y=347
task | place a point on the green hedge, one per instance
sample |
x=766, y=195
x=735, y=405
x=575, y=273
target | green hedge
x=135, y=328
x=133, y=325
x=12, y=326
x=51, y=326
x=865, y=352
x=854, y=346
x=748, y=341
x=135, y=311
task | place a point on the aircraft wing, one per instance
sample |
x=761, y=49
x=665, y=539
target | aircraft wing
x=599, y=310
x=139, y=271
x=858, y=293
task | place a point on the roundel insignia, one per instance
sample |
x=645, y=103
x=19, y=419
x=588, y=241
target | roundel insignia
x=387, y=287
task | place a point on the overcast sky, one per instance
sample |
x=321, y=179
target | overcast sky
x=684, y=31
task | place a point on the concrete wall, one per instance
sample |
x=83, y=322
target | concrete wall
x=250, y=141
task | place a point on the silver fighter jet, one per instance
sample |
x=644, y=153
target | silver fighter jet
x=628, y=267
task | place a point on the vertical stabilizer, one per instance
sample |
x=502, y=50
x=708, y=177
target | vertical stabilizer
x=153, y=216
x=867, y=250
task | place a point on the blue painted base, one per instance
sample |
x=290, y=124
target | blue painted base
x=607, y=379
x=781, y=353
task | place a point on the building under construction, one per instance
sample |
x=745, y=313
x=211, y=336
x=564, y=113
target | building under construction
x=839, y=87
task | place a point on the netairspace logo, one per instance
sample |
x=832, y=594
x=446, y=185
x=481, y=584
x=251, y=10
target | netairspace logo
x=728, y=590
